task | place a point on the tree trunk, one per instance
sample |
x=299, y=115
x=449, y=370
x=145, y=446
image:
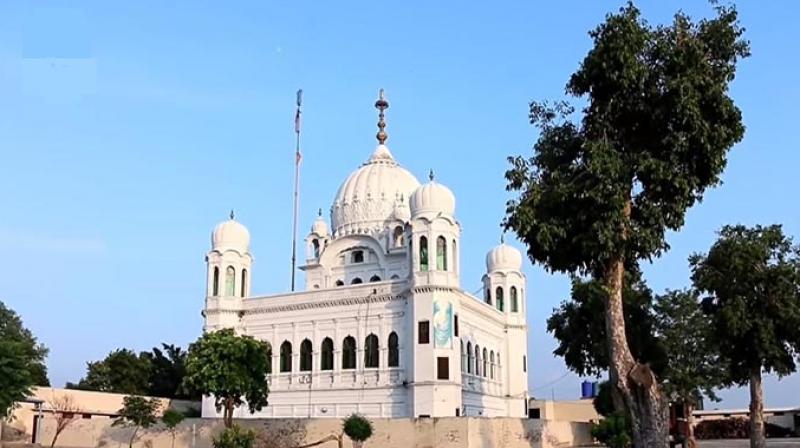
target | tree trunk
x=689, y=413
x=635, y=382
x=227, y=413
x=133, y=437
x=757, y=437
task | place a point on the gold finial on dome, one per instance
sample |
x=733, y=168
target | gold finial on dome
x=381, y=105
x=231, y=215
x=503, y=238
x=430, y=175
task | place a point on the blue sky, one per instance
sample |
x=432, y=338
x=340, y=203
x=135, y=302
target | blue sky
x=128, y=130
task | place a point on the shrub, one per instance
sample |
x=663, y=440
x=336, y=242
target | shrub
x=357, y=428
x=234, y=437
x=613, y=431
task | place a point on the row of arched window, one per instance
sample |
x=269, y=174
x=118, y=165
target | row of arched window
x=499, y=299
x=358, y=281
x=348, y=350
x=441, y=254
x=230, y=282
x=479, y=363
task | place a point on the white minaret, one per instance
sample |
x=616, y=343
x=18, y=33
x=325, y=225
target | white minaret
x=229, y=273
x=504, y=288
x=434, y=233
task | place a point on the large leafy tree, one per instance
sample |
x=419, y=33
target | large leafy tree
x=231, y=368
x=121, y=371
x=21, y=360
x=752, y=280
x=653, y=136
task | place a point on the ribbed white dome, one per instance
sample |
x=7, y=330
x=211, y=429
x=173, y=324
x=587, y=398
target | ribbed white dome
x=231, y=235
x=320, y=227
x=367, y=198
x=503, y=258
x=433, y=197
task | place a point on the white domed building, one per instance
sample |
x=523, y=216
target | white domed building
x=383, y=327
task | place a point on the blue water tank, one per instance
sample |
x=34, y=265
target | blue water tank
x=586, y=390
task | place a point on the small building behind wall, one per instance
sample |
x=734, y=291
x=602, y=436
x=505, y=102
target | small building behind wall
x=563, y=410
x=785, y=417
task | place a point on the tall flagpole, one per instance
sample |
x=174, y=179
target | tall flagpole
x=297, y=158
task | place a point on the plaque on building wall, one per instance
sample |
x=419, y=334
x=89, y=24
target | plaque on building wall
x=443, y=324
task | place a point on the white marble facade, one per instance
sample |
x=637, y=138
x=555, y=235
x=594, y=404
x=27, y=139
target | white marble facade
x=383, y=326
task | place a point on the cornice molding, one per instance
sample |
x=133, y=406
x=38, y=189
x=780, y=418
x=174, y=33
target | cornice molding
x=333, y=303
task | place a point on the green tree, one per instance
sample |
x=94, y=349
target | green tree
x=167, y=369
x=604, y=190
x=121, y=371
x=694, y=369
x=137, y=413
x=171, y=419
x=21, y=360
x=358, y=428
x=752, y=280
x=234, y=437
x=579, y=326
x=231, y=368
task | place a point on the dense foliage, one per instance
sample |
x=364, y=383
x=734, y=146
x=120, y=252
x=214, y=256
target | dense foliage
x=231, y=368
x=21, y=360
x=234, y=437
x=752, y=280
x=579, y=326
x=156, y=373
x=613, y=431
x=357, y=428
x=171, y=419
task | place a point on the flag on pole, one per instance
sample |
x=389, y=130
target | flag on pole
x=298, y=155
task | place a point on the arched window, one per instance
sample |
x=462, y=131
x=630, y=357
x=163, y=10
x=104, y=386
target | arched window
x=371, y=351
x=487, y=296
x=423, y=253
x=477, y=360
x=306, y=356
x=326, y=354
x=374, y=278
x=491, y=364
x=357, y=256
x=454, y=257
x=395, y=277
x=356, y=281
x=485, y=361
x=394, y=350
x=498, y=298
x=469, y=357
x=244, y=282
x=315, y=247
x=441, y=254
x=286, y=356
x=215, y=288
x=398, y=236
x=514, y=301
x=230, y=281
x=339, y=283
x=349, y=353
x=463, y=355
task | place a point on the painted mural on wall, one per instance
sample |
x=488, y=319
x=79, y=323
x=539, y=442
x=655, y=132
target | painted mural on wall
x=443, y=324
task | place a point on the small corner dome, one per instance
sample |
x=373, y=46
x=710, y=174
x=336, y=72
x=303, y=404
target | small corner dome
x=433, y=197
x=230, y=235
x=401, y=212
x=503, y=258
x=320, y=227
